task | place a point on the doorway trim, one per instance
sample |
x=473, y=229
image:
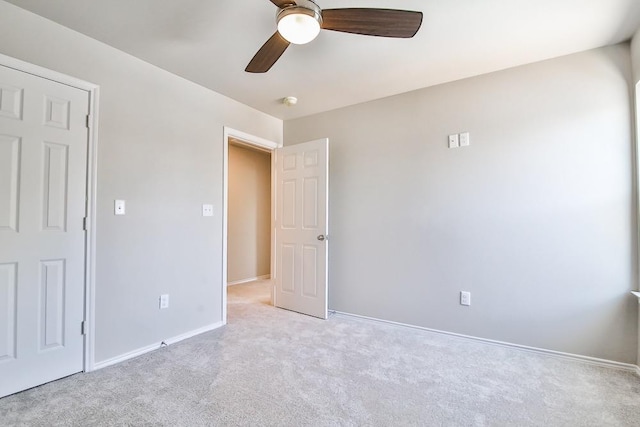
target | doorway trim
x=91, y=187
x=261, y=144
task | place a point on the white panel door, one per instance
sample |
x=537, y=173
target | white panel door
x=301, y=221
x=43, y=162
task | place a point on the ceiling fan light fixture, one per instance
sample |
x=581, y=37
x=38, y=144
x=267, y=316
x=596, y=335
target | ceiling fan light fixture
x=299, y=25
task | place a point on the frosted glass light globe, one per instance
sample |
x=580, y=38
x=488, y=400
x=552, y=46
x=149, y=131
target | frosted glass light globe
x=298, y=27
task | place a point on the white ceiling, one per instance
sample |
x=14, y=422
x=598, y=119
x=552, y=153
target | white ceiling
x=210, y=42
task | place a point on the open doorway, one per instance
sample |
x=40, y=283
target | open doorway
x=248, y=222
x=300, y=186
x=248, y=214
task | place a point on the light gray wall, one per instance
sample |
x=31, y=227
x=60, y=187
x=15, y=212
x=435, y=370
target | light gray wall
x=635, y=61
x=536, y=218
x=635, y=56
x=249, y=217
x=160, y=149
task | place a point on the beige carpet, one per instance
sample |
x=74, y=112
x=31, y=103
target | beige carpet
x=272, y=367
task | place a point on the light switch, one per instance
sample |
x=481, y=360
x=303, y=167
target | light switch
x=453, y=141
x=164, y=301
x=465, y=140
x=119, y=207
x=465, y=298
x=207, y=210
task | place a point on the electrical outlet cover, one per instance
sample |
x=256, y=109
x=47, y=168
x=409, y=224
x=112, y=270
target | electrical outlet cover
x=465, y=298
x=465, y=139
x=164, y=301
x=119, y=207
x=207, y=210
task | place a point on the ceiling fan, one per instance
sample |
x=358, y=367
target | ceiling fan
x=300, y=21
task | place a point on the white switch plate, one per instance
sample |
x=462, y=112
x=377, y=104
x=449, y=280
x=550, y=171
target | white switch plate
x=119, y=207
x=164, y=301
x=465, y=298
x=207, y=210
x=465, y=139
x=453, y=141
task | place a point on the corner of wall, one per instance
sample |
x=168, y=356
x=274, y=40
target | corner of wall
x=635, y=68
x=636, y=147
x=635, y=56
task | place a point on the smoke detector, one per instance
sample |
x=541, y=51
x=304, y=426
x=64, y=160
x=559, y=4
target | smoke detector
x=290, y=101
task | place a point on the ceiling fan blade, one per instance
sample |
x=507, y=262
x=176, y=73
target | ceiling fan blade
x=373, y=22
x=268, y=54
x=283, y=3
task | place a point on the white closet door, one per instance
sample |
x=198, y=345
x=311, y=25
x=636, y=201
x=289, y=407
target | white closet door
x=43, y=170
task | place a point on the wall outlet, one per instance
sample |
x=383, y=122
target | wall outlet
x=207, y=210
x=465, y=139
x=164, y=301
x=465, y=298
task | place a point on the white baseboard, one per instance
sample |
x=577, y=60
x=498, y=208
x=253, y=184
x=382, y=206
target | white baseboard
x=155, y=346
x=252, y=279
x=577, y=357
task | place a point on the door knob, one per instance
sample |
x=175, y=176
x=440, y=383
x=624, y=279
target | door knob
x=321, y=237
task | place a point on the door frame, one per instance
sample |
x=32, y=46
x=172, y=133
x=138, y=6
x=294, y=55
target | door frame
x=91, y=187
x=262, y=144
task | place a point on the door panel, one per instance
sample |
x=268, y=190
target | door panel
x=10, y=101
x=9, y=175
x=51, y=299
x=310, y=258
x=54, y=196
x=301, y=216
x=43, y=162
x=8, y=280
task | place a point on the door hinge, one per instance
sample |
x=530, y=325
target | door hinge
x=84, y=223
x=89, y=120
x=83, y=328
